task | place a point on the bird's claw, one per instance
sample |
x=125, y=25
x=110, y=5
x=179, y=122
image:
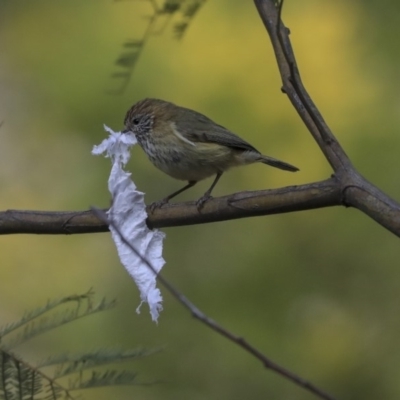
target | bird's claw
x=199, y=203
x=202, y=200
x=157, y=204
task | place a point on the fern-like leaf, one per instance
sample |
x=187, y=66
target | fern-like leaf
x=21, y=381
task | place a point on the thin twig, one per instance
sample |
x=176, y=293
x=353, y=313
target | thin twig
x=199, y=315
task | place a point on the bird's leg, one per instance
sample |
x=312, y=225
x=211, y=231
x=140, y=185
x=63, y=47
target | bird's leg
x=165, y=200
x=207, y=195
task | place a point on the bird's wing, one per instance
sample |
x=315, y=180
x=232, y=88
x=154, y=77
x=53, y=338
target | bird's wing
x=195, y=127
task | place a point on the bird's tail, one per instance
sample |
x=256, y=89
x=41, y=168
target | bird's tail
x=273, y=162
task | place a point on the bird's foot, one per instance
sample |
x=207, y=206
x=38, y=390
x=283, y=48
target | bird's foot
x=202, y=200
x=157, y=204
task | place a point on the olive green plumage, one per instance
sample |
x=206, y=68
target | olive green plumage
x=188, y=145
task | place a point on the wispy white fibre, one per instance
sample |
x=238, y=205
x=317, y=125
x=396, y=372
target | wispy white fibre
x=128, y=212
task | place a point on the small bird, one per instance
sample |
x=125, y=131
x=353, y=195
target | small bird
x=187, y=145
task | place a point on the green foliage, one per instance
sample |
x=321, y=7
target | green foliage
x=21, y=380
x=183, y=10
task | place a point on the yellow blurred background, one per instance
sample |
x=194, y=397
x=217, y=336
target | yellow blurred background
x=317, y=291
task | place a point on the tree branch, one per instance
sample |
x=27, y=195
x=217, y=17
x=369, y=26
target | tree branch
x=357, y=191
x=347, y=187
x=238, y=205
x=214, y=325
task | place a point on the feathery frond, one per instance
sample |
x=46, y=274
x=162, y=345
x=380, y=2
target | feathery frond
x=20, y=380
x=183, y=11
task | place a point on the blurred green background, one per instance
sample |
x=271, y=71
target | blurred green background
x=317, y=291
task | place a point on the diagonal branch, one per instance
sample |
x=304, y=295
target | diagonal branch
x=214, y=325
x=356, y=190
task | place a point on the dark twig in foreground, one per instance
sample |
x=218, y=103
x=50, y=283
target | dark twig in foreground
x=209, y=322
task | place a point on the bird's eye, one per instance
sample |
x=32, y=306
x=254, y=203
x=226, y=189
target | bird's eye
x=136, y=121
